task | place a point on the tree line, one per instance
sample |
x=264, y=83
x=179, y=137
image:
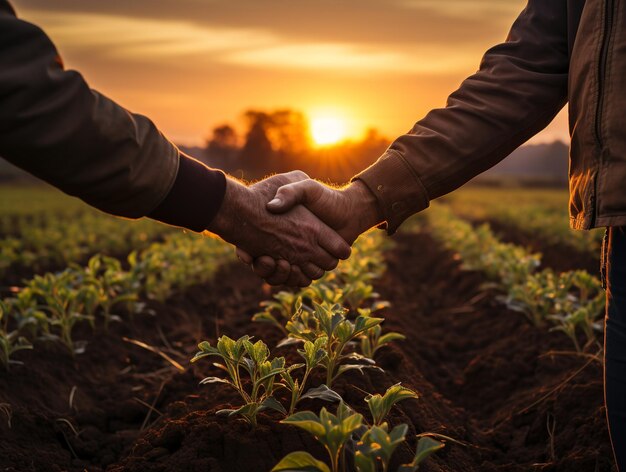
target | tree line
x=280, y=141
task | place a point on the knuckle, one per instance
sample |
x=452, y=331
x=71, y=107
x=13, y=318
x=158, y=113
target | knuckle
x=298, y=174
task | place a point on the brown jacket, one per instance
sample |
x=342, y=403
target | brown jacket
x=54, y=126
x=556, y=51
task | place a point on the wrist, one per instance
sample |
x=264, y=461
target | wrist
x=228, y=220
x=194, y=197
x=364, y=204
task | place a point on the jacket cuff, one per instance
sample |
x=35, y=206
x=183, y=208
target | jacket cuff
x=195, y=197
x=399, y=191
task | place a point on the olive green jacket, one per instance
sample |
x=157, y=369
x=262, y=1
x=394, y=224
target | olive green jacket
x=55, y=127
x=557, y=51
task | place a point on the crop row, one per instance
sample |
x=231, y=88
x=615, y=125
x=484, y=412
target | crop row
x=50, y=306
x=334, y=326
x=571, y=302
x=57, y=243
x=534, y=212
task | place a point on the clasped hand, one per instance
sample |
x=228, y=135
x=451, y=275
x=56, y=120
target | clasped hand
x=293, y=229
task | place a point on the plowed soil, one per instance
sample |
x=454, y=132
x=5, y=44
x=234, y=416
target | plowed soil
x=485, y=377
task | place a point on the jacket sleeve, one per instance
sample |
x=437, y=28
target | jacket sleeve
x=55, y=127
x=520, y=86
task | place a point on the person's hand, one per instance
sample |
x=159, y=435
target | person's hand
x=349, y=211
x=300, y=246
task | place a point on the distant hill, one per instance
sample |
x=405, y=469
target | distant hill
x=544, y=162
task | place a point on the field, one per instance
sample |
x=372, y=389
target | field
x=491, y=307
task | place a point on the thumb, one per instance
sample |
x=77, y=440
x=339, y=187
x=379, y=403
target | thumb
x=290, y=195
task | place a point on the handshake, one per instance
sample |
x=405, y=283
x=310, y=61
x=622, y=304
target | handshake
x=293, y=229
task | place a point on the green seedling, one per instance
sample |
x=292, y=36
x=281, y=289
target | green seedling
x=10, y=341
x=376, y=447
x=332, y=431
x=279, y=310
x=345, y=433
x=68, y=298
x=28, y=314
x=254, y=360
x=313, y=354
x=380, y=405
x=115, y=286
x=373, y=339
x=330, y=322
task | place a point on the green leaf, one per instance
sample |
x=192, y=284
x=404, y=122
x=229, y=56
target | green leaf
x=269, y=374
x=322, y=393
x=390, y=337
x=265, y=317
x=425, y=447
x=363, y=463
x=363, y=323
x=288, y=342
x=271, y=403
x=258, y=352
x=211, y=380
x=300, y=462
x=351, y=423
x=360, y=367
x=345, y=331
x=205, y=350
x=248, y=411
x=380, y=405
x=308, y=421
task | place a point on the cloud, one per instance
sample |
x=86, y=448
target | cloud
x=361, y=21
x=145, y=39
x=351, y=58
x=154, y=40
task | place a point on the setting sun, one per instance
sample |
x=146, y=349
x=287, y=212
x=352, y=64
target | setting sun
x=327, y=130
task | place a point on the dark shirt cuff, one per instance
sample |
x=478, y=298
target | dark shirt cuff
x=195, y=197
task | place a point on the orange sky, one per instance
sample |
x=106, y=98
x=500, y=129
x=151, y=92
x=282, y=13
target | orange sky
x=194, y=64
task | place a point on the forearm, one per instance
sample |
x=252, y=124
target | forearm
x=53, y=126
x=520, y=87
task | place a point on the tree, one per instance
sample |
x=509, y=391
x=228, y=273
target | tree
x=224, y=138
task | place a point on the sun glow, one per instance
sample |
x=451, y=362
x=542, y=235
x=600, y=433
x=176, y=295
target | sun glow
x=327, y=130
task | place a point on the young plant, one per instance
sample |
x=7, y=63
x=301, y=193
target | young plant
x=330, y=322
x=378, y=444
x=254, y=360
x=313, y=354
x=345, y=433
x=10, y=341
x=380, y=405
x=68, y=298
x=332, y=431
x=373, y=339
x=115, y=286
x=284, y=305
x=27, y=313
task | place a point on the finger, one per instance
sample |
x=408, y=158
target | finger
x=297, y=278
x=264, y=266
x=312, y=271
x=281, y=274
x=321, y=258
x=290, y=195
x=244, y=257
x=334, y=244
